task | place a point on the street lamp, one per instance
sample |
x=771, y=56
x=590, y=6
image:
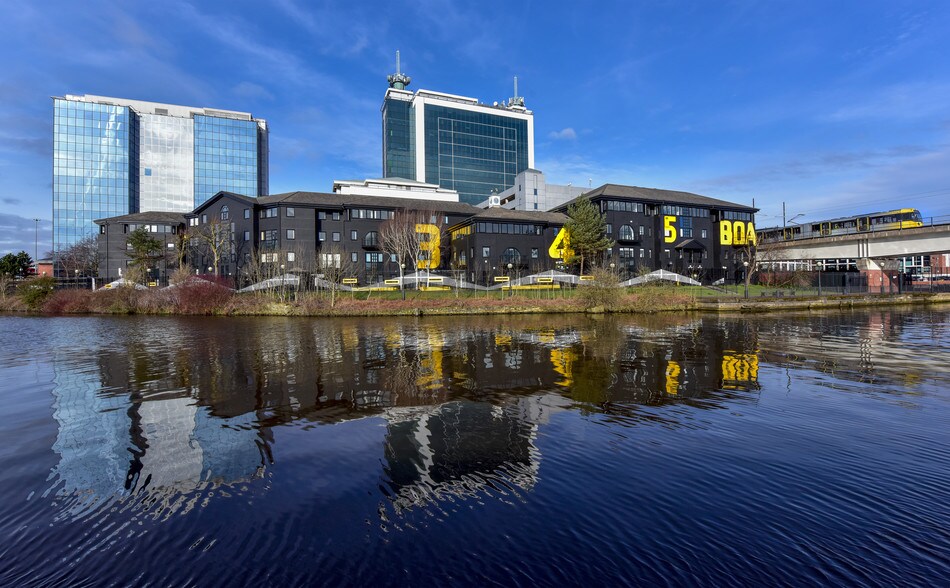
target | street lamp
x=745, y=277
x=820, y=266
x=510, y=290
x=402, y=274
x=36, y=247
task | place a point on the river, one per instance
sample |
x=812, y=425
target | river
x=792, y=449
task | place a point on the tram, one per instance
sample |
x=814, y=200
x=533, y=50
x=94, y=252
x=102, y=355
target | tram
x=902, y=218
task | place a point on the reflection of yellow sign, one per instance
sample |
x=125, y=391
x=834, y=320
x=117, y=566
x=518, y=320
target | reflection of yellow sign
x=501, y=278
x=669, y=231
x=560, y=247
x=736, y=233
x=739, y=368
x=562, y=359
x=672, y=377
x=431, y=246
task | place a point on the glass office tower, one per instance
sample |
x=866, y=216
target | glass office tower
x=94, y=167
x=226, y=157
x=456, y=142
x=113, y=156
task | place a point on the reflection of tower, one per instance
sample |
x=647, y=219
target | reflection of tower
x=112, y=446
x=457, y=448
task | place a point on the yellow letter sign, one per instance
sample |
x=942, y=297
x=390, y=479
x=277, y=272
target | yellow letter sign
x=669, y=231
x=432, y=246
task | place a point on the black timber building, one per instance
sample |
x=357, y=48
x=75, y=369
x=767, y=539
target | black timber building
x=113, y=248
x=652, y=229
x=671, y=230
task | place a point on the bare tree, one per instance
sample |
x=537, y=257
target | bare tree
x=81, y=258
x=334, y=264
x=213, y=238
x=415, y=237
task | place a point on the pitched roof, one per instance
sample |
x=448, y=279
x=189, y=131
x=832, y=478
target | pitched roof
x=659, y=196
x=356, y=200
x=145, y=217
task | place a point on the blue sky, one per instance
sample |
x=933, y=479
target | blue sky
x=832, y=107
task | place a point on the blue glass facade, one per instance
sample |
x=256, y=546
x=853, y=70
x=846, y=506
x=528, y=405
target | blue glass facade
x=226, y=157
x=95, y=153
x=399, y=145
x=473, y=152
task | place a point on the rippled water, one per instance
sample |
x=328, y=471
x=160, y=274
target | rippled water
x=688, y=450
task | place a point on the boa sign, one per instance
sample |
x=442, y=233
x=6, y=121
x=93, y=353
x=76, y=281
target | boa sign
x=736, y=233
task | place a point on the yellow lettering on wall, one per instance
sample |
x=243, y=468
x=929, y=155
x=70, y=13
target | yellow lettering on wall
x=750, y=234
x=432, y=247
x=560, y=247
x=669, y=231
x=738, y=233
x=725, y=232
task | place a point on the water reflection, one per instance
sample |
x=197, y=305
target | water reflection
x=168, y=410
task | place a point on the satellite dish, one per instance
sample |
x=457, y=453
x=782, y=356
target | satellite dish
x=495, y=103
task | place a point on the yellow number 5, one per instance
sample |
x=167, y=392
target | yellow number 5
x=669, y=231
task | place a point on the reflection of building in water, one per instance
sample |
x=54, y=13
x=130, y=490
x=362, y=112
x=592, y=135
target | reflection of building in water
x=461, y=449
x=113, y=445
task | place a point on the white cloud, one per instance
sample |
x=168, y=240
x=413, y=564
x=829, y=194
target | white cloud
x=566, y=133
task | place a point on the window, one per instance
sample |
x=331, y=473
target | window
x=354, y=236
x=291, y=234
x=291, y=211
x=353, y=257
x=321, y=236
x=204, y=219
x=247, y=213
x=667, y=252
x=225, y=213
x=291, y=256
x=192, y=222
x=535, y=205
x=686, y=226
x=336, y=237
x=336, y=216
x=171, y=245
x=371, y=239
x=641, y=230
x=321, y=215
x=268, y=213
x=534, y=253
x=512, y=256
x=247, y=235
x=626, y=233
x=148, y=171
x=703, y=233
x=610, y=229
x=486, y=252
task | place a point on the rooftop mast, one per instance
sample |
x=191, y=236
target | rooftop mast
x=398, y=80
x=516, y=100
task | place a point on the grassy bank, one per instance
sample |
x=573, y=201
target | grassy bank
x=210, y=299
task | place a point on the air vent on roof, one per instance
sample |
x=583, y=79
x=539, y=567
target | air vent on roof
x=161, y=111
x=494, y=201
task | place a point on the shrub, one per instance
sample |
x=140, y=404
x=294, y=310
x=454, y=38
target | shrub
x=69, y=301
x=603, y=291
x=35, y=291
x=201, y=297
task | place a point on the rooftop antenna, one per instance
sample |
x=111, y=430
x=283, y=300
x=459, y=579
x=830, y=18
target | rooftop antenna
x=516, y=100
x=398, y=80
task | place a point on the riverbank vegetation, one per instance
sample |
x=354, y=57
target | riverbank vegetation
x=197, y=296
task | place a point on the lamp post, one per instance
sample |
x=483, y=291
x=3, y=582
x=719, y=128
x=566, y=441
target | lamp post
x=723, y=276
x=820, y=266
x=510, y=290
x=36, y=247
x=402, y=274
x=745, y=277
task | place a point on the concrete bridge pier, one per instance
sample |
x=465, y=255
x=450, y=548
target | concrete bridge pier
x=883, y=275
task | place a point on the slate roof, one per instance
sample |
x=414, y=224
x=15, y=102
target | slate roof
x=355, y=200
x=658, y=196
x=166, y=218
